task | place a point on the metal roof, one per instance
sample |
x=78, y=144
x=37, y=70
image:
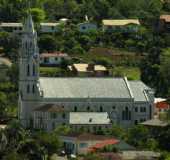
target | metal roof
x=120, y=22
x=89, y=118
x=138, y=89
x=84, y=88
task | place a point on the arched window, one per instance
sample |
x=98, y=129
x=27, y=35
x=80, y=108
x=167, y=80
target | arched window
x=28, y=88
x=101, y=109
x=126, y=114
x=33, y=70
x=33, y=88
x=75, y=109
x=88, y=108
x=28, y=70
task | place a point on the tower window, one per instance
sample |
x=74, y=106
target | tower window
x=33, y=70
x=28, y=70
x=33, y=88
x=28, y=88
x=88, y=108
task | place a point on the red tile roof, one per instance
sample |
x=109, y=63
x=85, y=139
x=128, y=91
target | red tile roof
x=104, y=143
x=162, y=105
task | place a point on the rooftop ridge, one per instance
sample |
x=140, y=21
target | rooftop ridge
x=128, y=87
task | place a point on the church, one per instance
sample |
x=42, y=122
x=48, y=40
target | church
x=92, y=103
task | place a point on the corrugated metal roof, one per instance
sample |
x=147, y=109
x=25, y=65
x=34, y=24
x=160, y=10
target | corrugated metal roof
x=89, y=118
x=11, y=24
x=120, y=22
x=138, y=89
x=49, y=24
x=84, y=88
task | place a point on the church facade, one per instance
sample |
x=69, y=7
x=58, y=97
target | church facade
x=47, y=102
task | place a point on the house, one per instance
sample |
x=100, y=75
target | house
x=86, y=27
x=164, y=23
x=53, y=59
x=49, y=27
x=121, y=25
x=83, y=69
x=161, y=106
x=56, y=116
x=77, y=143
x=126, y=102
x=11, y=27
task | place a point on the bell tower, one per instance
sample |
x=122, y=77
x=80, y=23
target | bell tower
x=29, y=63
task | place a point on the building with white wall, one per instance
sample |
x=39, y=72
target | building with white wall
x=125, y=102
x=53, y=59
x=87, y=27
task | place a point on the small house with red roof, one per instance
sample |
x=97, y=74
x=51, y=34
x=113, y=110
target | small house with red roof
x=53, y=59
x=76, y=143
x=161, y=105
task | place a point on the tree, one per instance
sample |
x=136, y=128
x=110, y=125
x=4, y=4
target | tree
x=138, y=135
x=3, y=100
x=118, y=132
x=49, y=141
x=38, y=15
x=47, y=43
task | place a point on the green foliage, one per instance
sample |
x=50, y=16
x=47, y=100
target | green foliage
x=138, y=135
x=38, y=15
x=118, y=132
x=47, y=43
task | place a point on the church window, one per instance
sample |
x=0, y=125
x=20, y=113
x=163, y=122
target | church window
x=75, y=109
x=28, y=70
x=126, y=114
x=28, y=88
x=143, y=109
x=33, y=88
x=33, y=70
x=114, y=107
x=136, y=109
x=101, y=109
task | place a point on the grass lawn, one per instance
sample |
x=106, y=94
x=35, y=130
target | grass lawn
x=132, y=73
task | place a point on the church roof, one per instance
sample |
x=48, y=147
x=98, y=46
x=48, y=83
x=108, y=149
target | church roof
x=93, y=88
x=89, y=118
x=139, y=90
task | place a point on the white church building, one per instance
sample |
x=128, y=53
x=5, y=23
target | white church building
x=91, y=103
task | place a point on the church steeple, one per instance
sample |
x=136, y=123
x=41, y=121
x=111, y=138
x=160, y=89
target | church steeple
x=29, y=24
x=29, y=61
